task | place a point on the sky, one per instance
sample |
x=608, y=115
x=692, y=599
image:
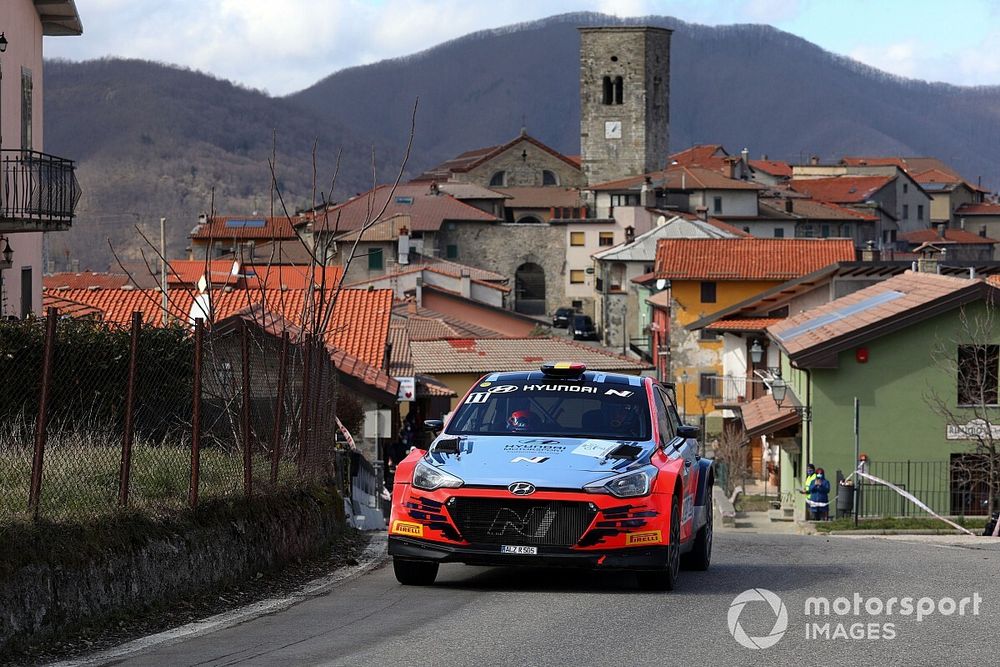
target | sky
x=281, y=46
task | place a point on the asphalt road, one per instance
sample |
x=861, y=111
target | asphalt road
x=512, y=616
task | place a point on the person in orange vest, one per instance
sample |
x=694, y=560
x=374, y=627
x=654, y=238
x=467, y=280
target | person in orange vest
x=819, y=496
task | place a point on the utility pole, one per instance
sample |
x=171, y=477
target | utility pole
x=857, y=456
x=163, y=270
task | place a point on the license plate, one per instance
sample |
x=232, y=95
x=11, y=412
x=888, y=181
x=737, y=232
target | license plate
x=527, y=551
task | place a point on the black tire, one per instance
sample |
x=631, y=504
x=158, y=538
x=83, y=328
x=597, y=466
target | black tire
x=666, y=578
x=414, y=572
x=700, y=557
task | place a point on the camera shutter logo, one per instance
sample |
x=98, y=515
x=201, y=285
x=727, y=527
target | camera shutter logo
x=780, y=618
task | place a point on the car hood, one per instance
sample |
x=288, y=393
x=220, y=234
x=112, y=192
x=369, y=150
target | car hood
x=564, y=463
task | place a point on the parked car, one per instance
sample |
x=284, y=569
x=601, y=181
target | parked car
x=562, y=317
x=578, y=468
x=583, y=328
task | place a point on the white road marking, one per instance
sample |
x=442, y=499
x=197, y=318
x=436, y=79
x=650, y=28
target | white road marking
x=370, y=558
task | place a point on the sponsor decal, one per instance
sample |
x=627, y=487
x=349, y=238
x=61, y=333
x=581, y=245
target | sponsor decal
x=569, y=388
x=624, y=393
x=598, y=449
x=478, y=397
x=484, y=396
x=687, y=514
x=521, y=488
x=485, y=384
x=530, y=459
x=647, y=537
x=503, y=389
x=536, y=446
x=407, y=528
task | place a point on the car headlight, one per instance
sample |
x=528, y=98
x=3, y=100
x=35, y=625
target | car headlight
x=629, y=485
x=429, y=478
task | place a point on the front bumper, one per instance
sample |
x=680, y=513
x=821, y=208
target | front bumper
x=648, y=558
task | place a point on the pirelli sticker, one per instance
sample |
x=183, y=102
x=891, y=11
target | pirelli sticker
x=648, y=537
x=411, y=529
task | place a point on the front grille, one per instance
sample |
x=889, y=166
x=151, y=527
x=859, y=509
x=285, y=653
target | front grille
x=550, y=523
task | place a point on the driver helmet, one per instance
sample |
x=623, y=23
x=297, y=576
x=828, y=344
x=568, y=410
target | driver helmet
x=622, y=415
x=521, y=420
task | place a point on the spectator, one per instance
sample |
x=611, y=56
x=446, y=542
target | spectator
x=819, y=496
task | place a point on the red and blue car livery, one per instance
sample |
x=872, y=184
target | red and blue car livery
x=560, y=466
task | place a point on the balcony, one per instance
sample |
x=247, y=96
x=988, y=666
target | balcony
x=38, y=192
x=730, y=391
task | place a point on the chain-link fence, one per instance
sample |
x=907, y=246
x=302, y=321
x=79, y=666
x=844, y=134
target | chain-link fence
x=97, y=417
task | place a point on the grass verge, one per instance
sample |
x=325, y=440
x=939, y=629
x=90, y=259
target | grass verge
x=900, y=523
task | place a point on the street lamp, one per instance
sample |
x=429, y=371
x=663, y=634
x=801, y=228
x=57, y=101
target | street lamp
x=756, y=352
x=684, y=397
x=779, y=390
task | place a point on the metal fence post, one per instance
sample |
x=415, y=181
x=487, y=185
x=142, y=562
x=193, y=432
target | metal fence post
x=279, y=407
x=245, y=411
x=125, y=471
x=199, y=335
x=306, y=392
x=42, y=422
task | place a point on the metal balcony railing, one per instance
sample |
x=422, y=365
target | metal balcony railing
x=38, y=192
x=731, y=389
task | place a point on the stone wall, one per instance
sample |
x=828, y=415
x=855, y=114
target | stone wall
x=641, y=58
x=503, y=247
x=523, y=162
x=82, y=575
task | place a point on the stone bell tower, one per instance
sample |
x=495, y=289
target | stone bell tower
x=624, y=101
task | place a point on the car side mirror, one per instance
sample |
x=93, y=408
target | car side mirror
x=685, y=431
x=434, y=425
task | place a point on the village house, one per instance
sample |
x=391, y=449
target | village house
x=249, y=239
x=24, y=218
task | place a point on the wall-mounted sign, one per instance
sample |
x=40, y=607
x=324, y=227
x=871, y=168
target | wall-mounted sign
x=407, y=389
x=974, y=429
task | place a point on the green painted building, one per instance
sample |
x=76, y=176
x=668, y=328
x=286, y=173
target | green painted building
x=920, y=352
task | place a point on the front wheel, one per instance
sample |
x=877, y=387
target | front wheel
x=700, y=557
x=666, y=578
x=414, y=572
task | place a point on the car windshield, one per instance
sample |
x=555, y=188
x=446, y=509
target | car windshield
x=555, y=408
x=581, y=321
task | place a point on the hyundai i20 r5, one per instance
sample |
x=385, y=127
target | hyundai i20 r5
x=560, y=466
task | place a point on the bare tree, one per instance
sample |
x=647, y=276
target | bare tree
x=732, y=451
x=972, y=357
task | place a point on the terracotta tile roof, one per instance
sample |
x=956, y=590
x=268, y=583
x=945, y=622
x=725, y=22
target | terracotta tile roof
x=370, y=375
x=289, y=276
x=747, y=258
x=70, y=308
x=455, y=269
x=744, y=324
x=432, y=268
x=472, y=159
x=978, y=209
x=244, y=228
x=709, y=156
x=429, y=387
x=680, y=178
x=190, y=271
x=421, y=328
x=407, y=309
x=841, y=189
x=866, y=309
x=773, y=167
x=401, y=359
x=541, y=197
x=359, y=325
x=511, y=354
x=85, y=279
x=812, y=209
x=911, y=165
x=762, y=416
x=951, y=237
x=470, y=191
x=427, y=211
x=387, y=230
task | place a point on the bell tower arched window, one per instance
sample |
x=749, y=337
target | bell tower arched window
x=608, y=93
x=619, y=89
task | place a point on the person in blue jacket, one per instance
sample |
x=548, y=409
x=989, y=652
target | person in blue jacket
x=819, y=496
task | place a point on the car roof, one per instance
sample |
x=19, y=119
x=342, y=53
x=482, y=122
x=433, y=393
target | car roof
x=596, y=377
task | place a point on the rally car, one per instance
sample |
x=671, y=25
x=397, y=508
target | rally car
x=560, y=466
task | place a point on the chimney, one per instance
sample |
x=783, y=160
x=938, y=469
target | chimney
x=701, y=212
x=435, y=189
x=731, y=164
x=419, y=292
x=74, y=265
x=411, y=307
x=789, y=208
x=940, y=227
x=203, y=219
x=870, y=253
x=814, y=160
x=630, y=234
x=466, y=284
x=403, y=249
x=647, y=195
x=745, y=154
x=929, y=258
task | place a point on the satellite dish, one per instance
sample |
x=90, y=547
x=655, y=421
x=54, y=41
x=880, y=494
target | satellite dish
x=201, y=308
x=661, y=220
x=661, y=283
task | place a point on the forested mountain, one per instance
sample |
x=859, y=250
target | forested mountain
x=154, y=140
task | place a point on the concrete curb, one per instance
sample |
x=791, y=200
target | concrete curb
x=891, y=531
x=373, y=556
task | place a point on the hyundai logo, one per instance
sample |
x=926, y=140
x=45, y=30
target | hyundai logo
x=521, y=488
